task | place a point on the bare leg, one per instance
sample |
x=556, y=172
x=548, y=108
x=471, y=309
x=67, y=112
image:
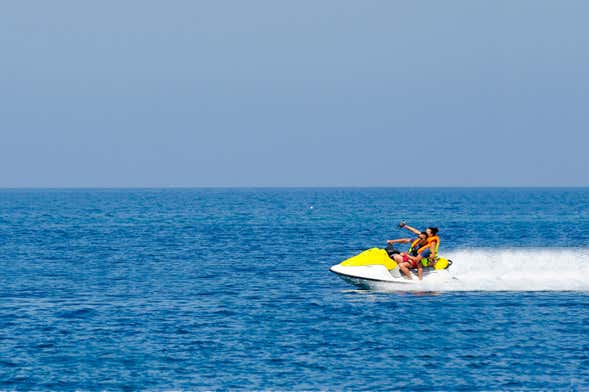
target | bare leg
x=420, y=271
x=405, y=270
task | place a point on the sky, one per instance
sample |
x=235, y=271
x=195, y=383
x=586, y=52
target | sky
x=294, y=93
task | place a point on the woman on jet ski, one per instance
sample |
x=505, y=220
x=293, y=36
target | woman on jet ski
x=430, y=251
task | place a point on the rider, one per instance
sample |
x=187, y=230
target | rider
x=410, y=259
x=430, y=250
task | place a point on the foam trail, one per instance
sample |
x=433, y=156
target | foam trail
x=538, y=269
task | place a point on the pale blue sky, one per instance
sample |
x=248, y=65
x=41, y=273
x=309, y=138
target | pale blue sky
x=297, y=93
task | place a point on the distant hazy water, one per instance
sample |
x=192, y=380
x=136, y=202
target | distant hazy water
x=230, y=289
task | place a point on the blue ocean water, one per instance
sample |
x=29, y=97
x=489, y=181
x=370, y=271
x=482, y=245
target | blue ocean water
x=217, y=289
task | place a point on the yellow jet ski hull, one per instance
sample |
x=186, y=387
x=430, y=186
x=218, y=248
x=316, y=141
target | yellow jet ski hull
x=375, y=265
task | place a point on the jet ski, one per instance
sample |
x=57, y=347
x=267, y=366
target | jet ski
x=376, y=266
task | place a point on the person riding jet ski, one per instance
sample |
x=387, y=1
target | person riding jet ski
x=425, y=246
x=391, y=265
x=410, y=259
x=433, y=243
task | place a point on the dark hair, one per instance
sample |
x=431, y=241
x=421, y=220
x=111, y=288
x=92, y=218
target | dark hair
x=424, y=233
x=434, y=230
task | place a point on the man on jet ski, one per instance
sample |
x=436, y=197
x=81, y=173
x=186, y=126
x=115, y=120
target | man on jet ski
x=412, y=258
x=430, y=251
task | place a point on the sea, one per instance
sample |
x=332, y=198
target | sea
x=230, y=289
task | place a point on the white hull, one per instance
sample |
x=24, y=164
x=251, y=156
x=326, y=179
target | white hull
x=368, y=275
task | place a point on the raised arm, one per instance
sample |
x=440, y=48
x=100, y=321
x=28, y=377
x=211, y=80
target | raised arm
x=399, y=241
x=411, y=229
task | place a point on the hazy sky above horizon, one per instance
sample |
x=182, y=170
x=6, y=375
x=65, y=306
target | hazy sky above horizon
x=298, y=93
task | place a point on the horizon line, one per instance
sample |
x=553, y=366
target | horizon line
x=295, y=187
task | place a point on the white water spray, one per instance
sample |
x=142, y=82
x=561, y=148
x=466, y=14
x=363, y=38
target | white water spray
x=539, y=269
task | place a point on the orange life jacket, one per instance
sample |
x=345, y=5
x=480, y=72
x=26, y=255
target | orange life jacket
x=429, y=241
x=414, y=244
